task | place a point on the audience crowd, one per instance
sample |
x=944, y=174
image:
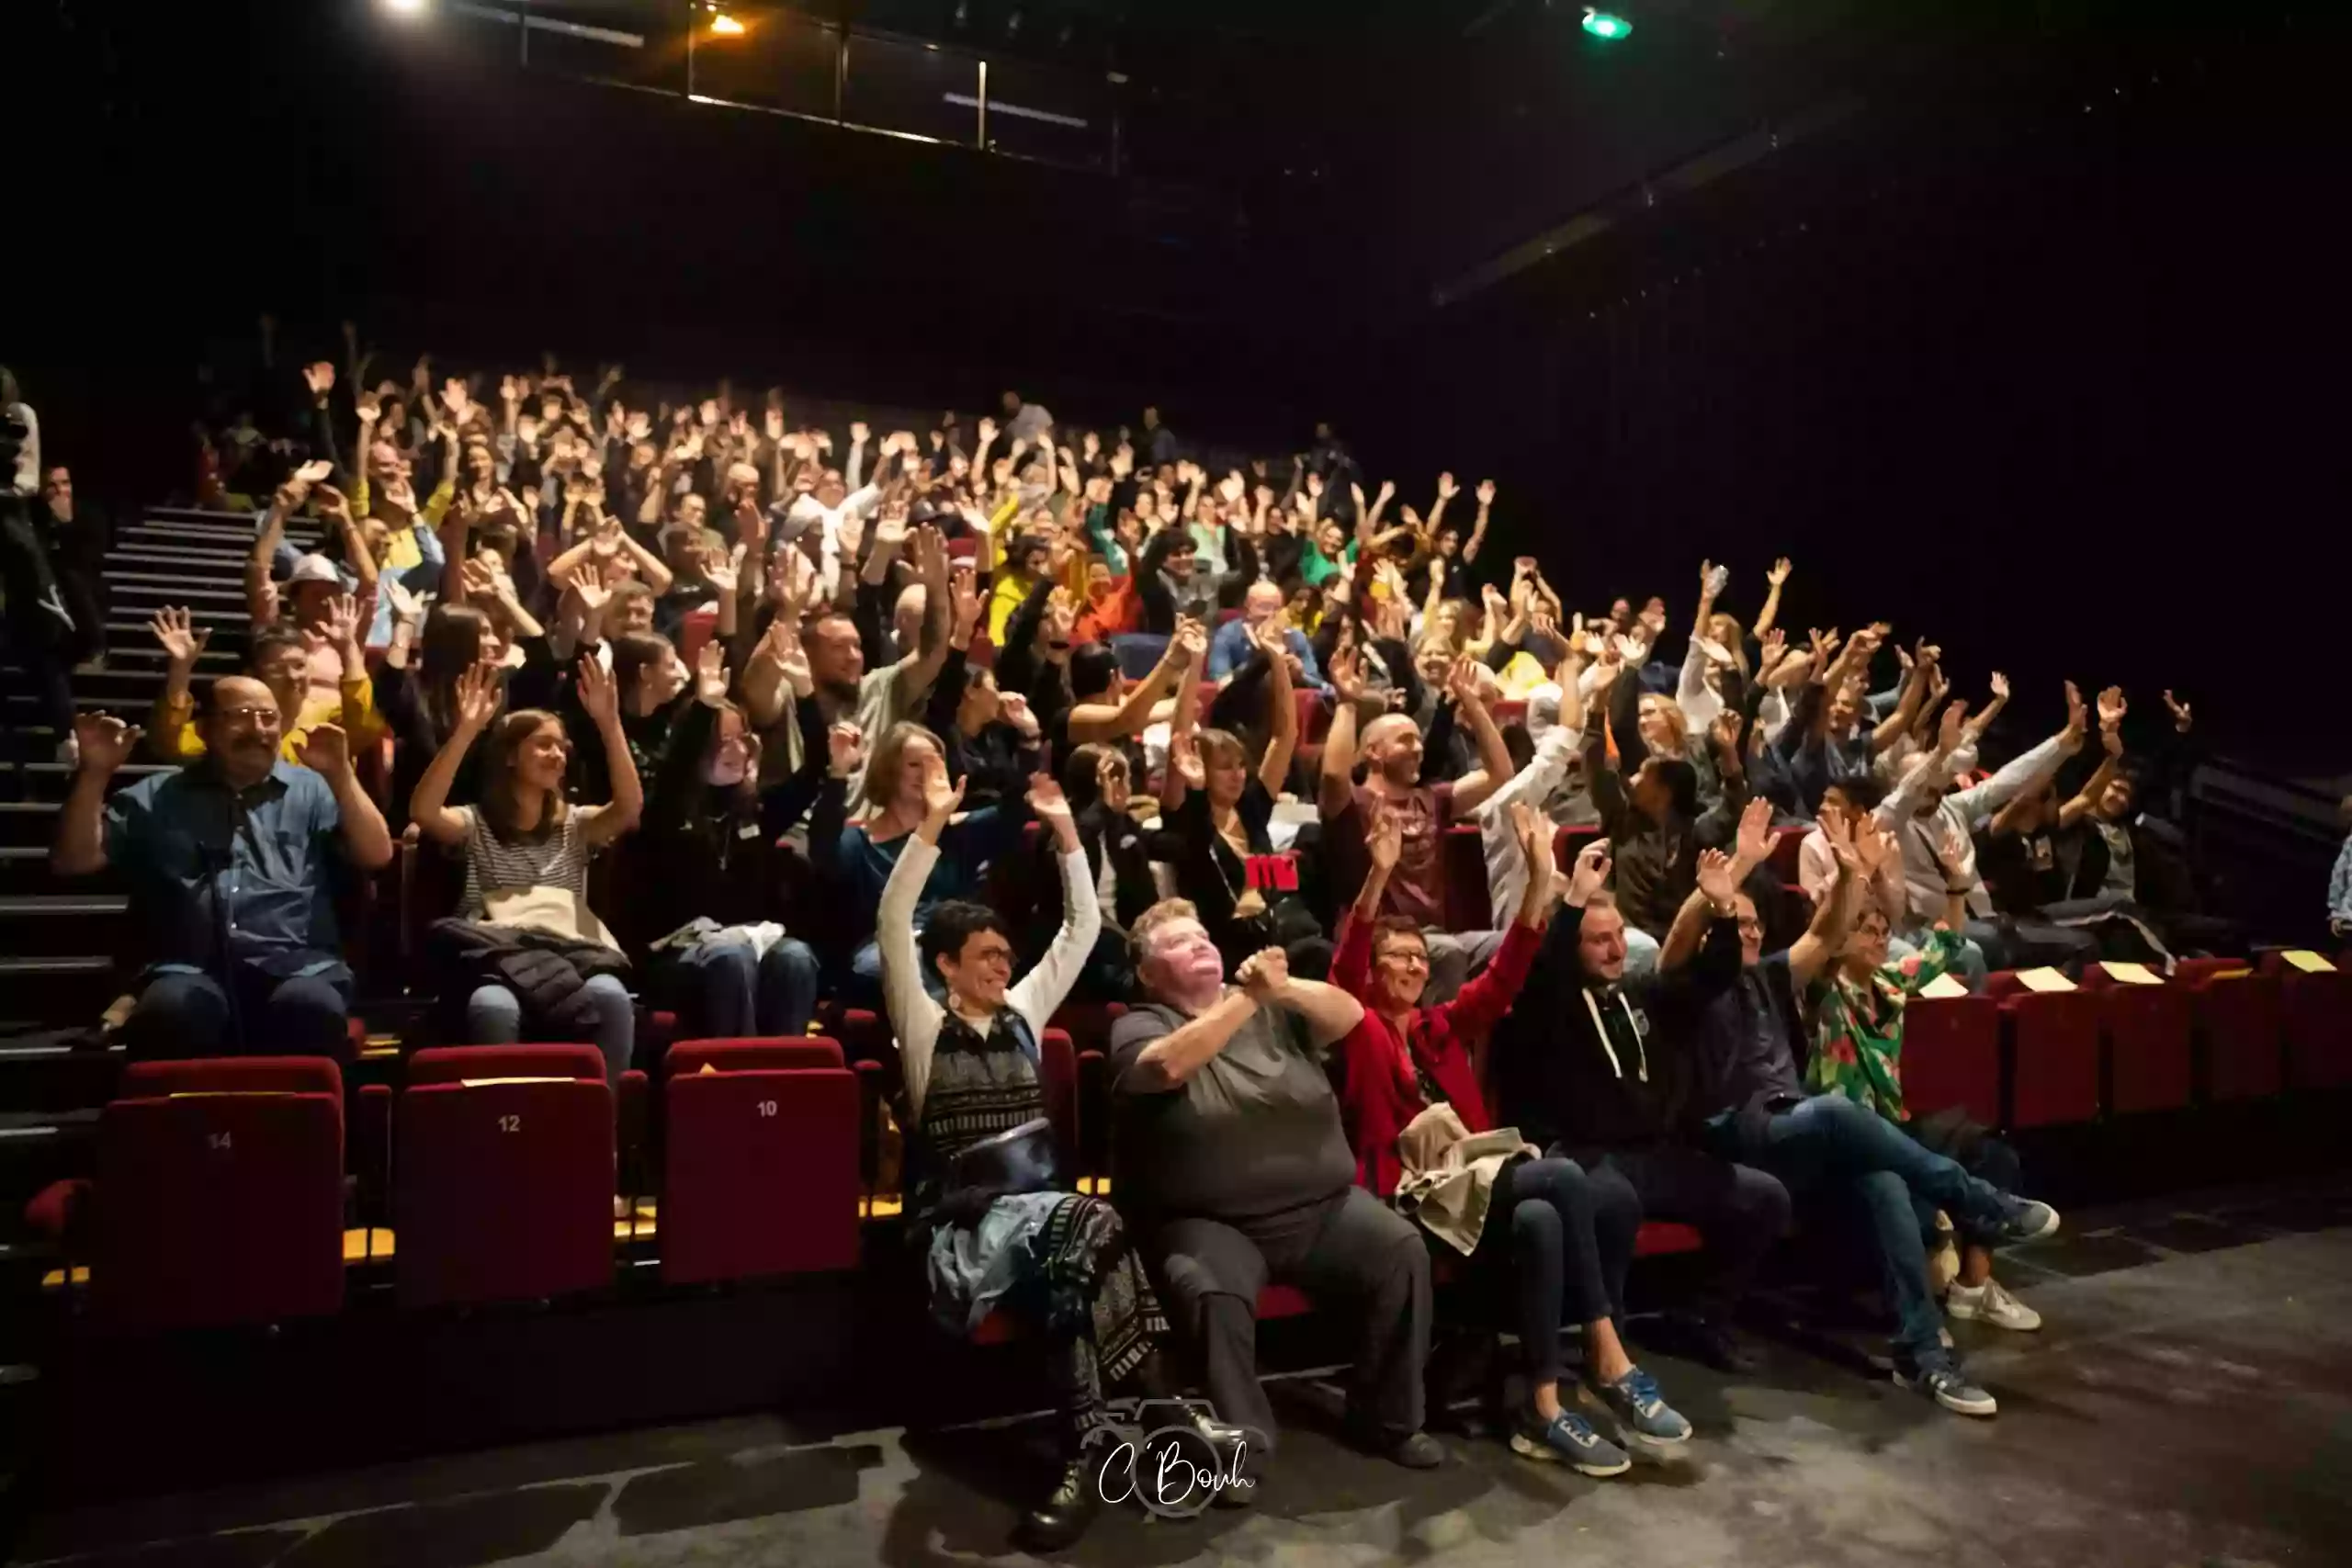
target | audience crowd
x=884, y=718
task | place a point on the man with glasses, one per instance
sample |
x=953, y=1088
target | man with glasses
x=228, y=865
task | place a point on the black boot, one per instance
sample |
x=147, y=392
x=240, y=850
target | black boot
x=1069, y=1508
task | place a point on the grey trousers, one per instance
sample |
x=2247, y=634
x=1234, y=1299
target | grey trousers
x=1351, y=1252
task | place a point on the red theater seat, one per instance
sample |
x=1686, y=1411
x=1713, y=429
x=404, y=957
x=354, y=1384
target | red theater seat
x=760, y=1172
x=2148, y=1030
x=2053, y=1052
x=1665, y=1238
x=504, y=1174
x=219, y=1194
x=2237, y=1018
x=2315, y=1014
x=1951, y=1057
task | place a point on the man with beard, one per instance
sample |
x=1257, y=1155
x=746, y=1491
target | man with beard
x=228, y=861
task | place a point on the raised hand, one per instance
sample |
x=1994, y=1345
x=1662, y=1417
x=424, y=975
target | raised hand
x=2077, y=715
x=1190, y=642
x=1951, y=850
x=1462, y=680
x=599, y=698
x=1485, y=494
x=1533, y=832
x=181, y=642
x=476, y=698
x=2111, y=707
x=1446, y=488
x=1185, y=756
x=1951, y=731
x=723, y=570
x=710, y=674
x=940, y=797
x=1715, y=879
x=319, y=376
x=371, y=407
x=859, y=435
x=1591, y=872
x=845, y=749
x=106, y=742
x=327, y=751
x=1047, y=801
x=407, y=608
x=1265, y=975
x=1754, y=843
x=1838, y=834
x=343, y=619
x=1346, y=675
x=1780, y=572
x=2181, y=718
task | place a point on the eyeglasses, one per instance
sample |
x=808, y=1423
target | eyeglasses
x=257, y=716
x=1410, y=960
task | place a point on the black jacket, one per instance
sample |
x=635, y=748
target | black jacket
x=1558, y=1082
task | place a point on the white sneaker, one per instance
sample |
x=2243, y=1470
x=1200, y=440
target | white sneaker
x=1991, y=1303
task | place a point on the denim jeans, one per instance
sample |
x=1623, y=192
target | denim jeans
x=1831, y=1141
x=182, y=1014
x=727, y=988
x=494, y=1017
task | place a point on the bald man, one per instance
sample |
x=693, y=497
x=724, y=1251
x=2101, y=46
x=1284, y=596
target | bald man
x=1391, y=753
x=1231, y=648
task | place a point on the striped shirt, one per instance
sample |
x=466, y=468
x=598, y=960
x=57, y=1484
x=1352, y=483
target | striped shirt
x=493, y=864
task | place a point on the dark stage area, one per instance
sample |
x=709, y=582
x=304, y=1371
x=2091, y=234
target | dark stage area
x=2187, y=1401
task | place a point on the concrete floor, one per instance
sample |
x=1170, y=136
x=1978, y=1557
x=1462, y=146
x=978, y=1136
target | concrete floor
x=2190, y=1402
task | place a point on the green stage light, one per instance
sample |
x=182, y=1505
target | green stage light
x=1606, y=24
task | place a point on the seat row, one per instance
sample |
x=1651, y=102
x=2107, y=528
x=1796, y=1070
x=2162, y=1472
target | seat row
x=220, y=1193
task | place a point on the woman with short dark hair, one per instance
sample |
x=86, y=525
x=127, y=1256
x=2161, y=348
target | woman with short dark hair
x=999, y=1225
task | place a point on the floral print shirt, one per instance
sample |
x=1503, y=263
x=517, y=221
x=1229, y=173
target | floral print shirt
x=1857, y=1027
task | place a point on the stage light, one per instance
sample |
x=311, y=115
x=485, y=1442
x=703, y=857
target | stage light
x=405, y=8
x=1606, y=24
x=725, y=26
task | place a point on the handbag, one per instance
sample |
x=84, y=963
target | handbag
x=1021, y=1159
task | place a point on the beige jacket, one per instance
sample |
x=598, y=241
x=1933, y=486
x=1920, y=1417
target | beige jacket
x=1449, y=1174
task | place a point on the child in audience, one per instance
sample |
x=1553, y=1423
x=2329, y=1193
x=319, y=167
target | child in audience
x=527, y=867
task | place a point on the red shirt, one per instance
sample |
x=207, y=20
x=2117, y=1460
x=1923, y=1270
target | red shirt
x=1379, y=1091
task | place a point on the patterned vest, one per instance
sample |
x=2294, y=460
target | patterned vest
x=977, y=1089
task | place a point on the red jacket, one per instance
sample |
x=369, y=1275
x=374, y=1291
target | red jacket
x=1379, y=1093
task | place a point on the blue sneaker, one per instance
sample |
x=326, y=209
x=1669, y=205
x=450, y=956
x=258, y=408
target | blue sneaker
x=1634, y=1399
x=2027, y=1220
x=1569, y=1440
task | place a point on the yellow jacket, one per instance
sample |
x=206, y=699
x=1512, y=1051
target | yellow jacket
x=174, y=736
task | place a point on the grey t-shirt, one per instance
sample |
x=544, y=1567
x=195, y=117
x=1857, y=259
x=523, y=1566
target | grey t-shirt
x=1255, y=1132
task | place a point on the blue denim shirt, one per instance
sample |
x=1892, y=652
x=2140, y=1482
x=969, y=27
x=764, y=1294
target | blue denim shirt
x=1231, y=649
x=212, y=868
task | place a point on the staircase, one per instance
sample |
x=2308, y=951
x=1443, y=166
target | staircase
x=61, y=941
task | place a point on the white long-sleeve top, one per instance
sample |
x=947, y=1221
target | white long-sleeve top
x=809, y=512
x=915, y=1018
x=1506, y=867
x=1923, y=874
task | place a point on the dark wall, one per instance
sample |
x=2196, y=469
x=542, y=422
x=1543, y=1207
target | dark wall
x=2040, y=355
